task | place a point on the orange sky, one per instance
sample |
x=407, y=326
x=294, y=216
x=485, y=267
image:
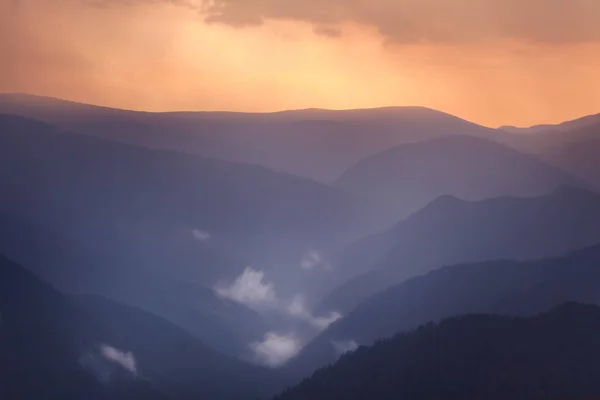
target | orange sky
x=495, y=62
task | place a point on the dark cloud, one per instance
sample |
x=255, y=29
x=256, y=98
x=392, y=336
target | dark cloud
x=437, y=21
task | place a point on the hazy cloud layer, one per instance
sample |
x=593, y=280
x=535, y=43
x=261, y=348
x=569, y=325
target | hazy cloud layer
x=275, y=349
x=410, y=21
x=439, y=21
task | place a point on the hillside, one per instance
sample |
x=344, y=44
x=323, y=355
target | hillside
x=318, y=144
x=554, y=355
x=510, y=287
x=579, y=157
x=54, y=346
x=411, y=175
x=93, y=216
x=450, y=231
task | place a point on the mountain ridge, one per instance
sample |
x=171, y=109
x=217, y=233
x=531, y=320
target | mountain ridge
x=552, y=355
x=516, y=288
x=81, y=341
x=274, y=140
x=413, y=174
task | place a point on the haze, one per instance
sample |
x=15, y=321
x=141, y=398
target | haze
x=494, y=62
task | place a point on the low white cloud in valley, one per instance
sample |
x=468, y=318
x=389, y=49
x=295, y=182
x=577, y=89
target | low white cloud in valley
x=250, y=289
x=201, y=235
x=311, y=260
x=124, y=359
x=275, y=349
x=297, y=308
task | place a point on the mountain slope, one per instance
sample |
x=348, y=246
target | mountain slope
x=319, y=144
x=89, y=347
x=562, y=127
x=546, y=141
x=511, y=287
x=450, y=231
x=579, y=157
x=554, y=355
x=412, y=175
x=135, y=224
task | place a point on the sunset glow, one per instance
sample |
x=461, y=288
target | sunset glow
x=274, y=55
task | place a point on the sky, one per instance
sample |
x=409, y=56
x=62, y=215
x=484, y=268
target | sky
x=494, y=62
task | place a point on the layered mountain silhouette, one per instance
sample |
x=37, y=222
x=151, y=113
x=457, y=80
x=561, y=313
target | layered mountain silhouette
x=411, y=175
x=94, y=216
x=566, y=126
x=507, y=287
x=318, y=144
x=580, y=156
x=554, y=355
x=450, y=231
x=55, y=346
x=181, y=244
x=552, y=143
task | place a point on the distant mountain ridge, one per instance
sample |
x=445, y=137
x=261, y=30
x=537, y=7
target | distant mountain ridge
x=315, y=143
x=319, y=144
x=577, y=123
x=450, y=231
x=580, y=156
x=506, y=287
x=411, y=175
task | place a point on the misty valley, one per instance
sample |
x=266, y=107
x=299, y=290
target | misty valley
x=381, y=253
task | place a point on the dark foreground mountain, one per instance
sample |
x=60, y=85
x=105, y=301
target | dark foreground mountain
x=509, y=287
x=552, y=356
x=58, y=347
x=451, y=231
x=412, y=175
x=319, y=144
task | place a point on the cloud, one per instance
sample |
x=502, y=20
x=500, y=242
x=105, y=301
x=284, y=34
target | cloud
x=125, y=360
x=345, y=346
x=298, y=309
x=105, y=361
x=275, y=349
x=323, y=322
x=250, y=290
x=310, y=260
x=313, y=259
x=201, y=235
x=412, y=21
x=439, y=21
